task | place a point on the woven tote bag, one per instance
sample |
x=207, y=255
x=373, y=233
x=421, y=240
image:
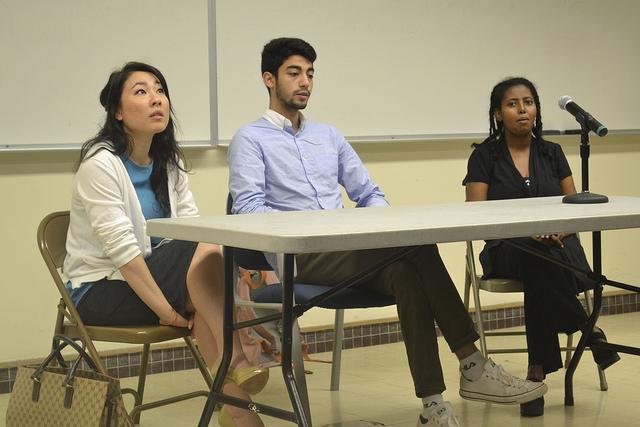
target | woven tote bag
x=66, y=396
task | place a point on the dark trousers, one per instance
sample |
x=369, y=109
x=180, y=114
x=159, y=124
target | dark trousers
x=550, y=302
x=424, y=293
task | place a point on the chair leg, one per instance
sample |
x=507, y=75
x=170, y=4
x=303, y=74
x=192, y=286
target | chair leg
x=467, y=288
x=567, y=357
x=471, y=276
x=144, y=361
x=93, y=352
x=298, y=368
x=478, y=314
x=336, y=360
x=59, y=327
x=604, y=386
x=200, y=363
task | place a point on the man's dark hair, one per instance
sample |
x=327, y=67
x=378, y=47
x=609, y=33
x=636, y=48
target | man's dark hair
x=278, y=50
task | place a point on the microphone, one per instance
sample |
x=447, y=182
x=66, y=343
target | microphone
x=568, y=104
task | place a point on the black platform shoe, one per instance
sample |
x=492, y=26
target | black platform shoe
x=533, y=408
x=604, y=357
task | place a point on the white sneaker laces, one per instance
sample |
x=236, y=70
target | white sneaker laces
x=504, y=377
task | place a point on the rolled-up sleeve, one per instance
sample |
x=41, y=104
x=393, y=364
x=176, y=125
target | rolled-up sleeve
x=354, y=177
x=103, y=201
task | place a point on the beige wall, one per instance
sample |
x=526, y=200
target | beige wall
x=35, y=183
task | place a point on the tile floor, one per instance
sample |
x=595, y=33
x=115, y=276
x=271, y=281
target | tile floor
x=376, y=390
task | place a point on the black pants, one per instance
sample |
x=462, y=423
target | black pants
x=551, y=305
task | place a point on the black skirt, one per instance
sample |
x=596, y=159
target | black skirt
x=114, y=303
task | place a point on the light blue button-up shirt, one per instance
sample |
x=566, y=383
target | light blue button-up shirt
x=271, y=167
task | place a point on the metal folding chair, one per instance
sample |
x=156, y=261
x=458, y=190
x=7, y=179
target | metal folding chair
x=474, y=282
x=52, y=237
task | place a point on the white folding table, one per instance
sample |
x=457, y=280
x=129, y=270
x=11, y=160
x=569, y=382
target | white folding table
x=290, y=233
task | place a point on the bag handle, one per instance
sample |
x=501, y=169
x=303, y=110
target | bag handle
x=68, y=381
x=56, y=353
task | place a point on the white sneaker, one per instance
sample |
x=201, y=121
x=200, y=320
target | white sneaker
x=440, y=415
x=498, y=386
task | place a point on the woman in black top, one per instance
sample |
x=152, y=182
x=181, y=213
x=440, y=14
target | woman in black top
x=516, y=162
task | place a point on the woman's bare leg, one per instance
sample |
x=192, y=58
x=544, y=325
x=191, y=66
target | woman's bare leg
x=206, y=292
x=206, y=343
x=205, y=289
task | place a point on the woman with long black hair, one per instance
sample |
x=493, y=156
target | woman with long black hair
x=130, y=172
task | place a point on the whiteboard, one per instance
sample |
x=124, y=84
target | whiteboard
x=386, y=70
x=56, y=56
x=421, y=69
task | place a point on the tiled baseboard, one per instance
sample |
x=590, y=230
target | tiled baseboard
x=125, y=365
x=179, y=358
x=492, y=318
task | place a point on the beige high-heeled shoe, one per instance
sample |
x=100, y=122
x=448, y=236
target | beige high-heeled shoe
x=251, y=380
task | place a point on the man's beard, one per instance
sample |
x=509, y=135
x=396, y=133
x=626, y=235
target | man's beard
x=290, y=103
x=295, y=105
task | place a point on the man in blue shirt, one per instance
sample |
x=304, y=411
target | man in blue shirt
x=285, y=162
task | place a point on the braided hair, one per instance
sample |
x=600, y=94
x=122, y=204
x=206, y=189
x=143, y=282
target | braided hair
x=496, y=128
x=164, y=149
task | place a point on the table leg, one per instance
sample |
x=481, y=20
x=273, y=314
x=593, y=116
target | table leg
x=593, y=318
x=582, y=344
x=303, y=417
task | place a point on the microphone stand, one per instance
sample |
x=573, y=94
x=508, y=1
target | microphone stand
x=585, y=197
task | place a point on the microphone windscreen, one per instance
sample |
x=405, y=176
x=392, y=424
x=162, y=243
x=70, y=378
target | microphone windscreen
x=563, y=101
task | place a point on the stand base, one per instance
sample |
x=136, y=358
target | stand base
x=585, y=198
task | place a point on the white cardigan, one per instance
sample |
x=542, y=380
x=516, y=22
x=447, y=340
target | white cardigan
x=107, y=228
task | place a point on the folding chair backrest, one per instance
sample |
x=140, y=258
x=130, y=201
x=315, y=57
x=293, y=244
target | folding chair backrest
x=52, y=240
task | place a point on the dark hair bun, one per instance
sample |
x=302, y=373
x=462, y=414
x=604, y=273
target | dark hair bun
x=105, y=93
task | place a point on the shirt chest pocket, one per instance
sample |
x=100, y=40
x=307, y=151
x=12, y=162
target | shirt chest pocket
x=320, y=159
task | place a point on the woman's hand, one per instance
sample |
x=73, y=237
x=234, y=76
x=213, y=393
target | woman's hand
x=175, y=319
x=550, y=239
x=138, y=276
